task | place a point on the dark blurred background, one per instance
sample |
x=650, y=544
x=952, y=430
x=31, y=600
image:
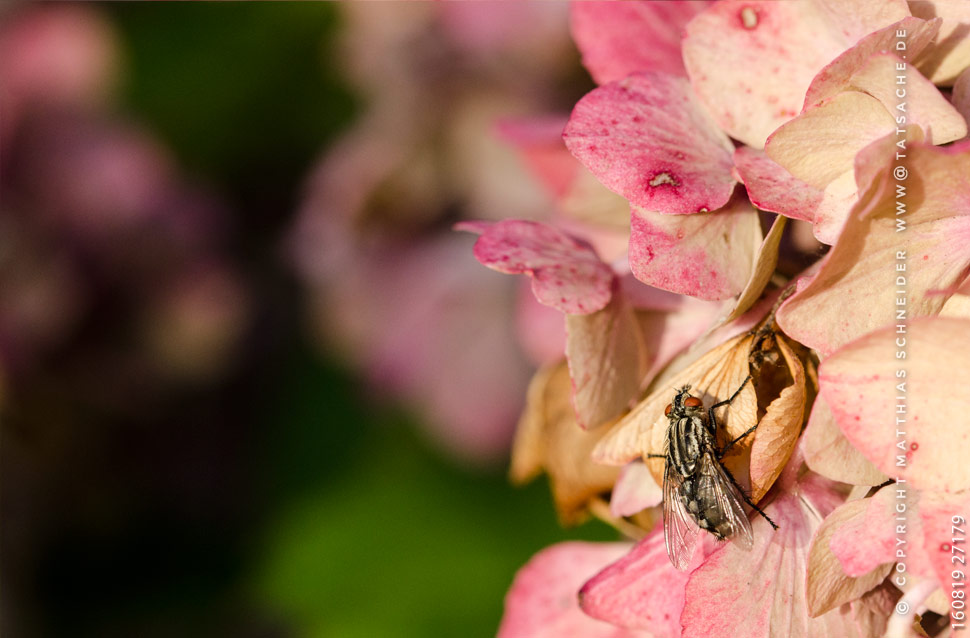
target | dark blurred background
x=251, y=384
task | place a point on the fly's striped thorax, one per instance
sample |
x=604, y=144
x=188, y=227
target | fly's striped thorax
x=687, y=440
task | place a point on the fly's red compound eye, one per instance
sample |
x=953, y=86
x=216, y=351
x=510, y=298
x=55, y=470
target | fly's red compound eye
x=692, y=402
x=668, y=409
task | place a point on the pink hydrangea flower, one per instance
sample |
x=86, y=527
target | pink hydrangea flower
x=704, y=114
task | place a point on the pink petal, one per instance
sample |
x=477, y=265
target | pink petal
x=828, y=585
x=751, y=62
x=938, y=515
x=453, y=318
x=950, y=53
x=853, y=292
x=861, y=384
x=539, y=328
x=761, y=593
x=539, y=140
x=772, y=188
x=543, y=603
x=566, y=274
x=579, y=195
x=620, y=38
x=635, y=490
x=607, y=360
x=707, y=255
x=642, y=590
x=668, y=334
x=647, y=138
x=865, y=541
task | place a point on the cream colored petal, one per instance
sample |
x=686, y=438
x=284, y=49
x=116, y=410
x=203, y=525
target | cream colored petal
x=950, y=52
x=854, y=291
x=829, y=453
x=819, y=145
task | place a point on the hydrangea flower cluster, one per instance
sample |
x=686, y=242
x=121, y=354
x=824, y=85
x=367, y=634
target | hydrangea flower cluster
x=841, y=128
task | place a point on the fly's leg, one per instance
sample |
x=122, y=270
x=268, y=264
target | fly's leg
x=745, y=497
x=727, y=447
x=712, y=420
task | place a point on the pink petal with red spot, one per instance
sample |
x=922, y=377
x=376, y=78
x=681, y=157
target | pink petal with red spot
x=751, y=62
x=939, y=514
x=642, y=590
x=761, y=593
x=647, y=138
x=635, y=490
x=860, y=382
x=620, y=38
x=542, y=602
x=566, y=274
x=708, y=255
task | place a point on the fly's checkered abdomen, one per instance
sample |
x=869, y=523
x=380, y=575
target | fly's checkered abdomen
x=688, y=438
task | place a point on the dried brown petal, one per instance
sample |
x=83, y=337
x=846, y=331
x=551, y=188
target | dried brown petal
x=550, y=439
x=778, y=430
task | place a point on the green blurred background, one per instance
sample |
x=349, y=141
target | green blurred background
x=279, y=499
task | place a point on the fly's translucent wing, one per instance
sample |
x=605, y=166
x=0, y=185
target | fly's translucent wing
x=680, y=529
x=728, y=500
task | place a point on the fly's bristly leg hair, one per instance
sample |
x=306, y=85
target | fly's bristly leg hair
x=727, y=447
x=720, y=453
x=747, y=499
x=710, y=410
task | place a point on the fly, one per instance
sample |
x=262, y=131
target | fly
x=698, y=491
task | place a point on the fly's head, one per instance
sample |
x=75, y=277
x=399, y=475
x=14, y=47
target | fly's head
x=684, y=405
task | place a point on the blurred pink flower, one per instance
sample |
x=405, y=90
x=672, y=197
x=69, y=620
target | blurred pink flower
x=96, y=215
x=391, y=286
x=61, y=55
